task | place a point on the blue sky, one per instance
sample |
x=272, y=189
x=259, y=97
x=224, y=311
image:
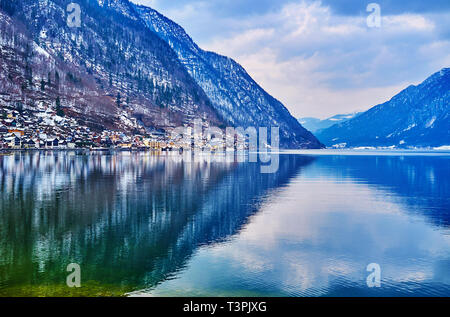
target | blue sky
x=320, y=58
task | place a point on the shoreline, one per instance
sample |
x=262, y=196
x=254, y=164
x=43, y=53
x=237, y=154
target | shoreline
x=327, y=151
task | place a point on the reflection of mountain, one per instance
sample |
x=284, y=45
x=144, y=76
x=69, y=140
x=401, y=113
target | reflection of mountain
x=409, y=177
x=129, y=220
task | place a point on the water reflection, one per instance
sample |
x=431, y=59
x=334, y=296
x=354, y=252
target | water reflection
x=319, y=233
x=421, y=182
x=131, y=220
x=167, y=225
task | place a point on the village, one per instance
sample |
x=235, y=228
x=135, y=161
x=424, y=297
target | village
x=46, y=130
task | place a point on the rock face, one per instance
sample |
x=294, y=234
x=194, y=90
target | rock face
x=419, y=116
x=130, y=68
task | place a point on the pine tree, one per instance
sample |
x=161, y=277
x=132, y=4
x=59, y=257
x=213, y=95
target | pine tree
x=59, y=111
x=118, y=100
x=57, y=79
x=29, y=74
x=8, y=6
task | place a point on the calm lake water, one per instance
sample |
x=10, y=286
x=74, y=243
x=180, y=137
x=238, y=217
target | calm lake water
x=143, y=224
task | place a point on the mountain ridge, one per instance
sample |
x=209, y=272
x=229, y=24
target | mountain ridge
x=315, y=125
x=117, y=70
x=418, y=116
x=228, y=84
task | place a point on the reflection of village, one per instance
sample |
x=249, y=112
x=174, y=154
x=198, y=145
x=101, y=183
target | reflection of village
x=48, y=131
x=138, y=215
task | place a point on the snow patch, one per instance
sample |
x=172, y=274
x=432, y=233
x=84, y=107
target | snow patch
x=40, y=50
x=430, y=123
x=411, y=126
x=339, y=146
x=364, y=148
x=43, y=34
x=442, y=148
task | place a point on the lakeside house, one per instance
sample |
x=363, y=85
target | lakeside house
x=41, y=128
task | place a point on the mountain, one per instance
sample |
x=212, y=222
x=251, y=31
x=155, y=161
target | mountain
x=121, y=71
x=419, y=116
x=233, y=93
x=121, y=76
x=314, y=124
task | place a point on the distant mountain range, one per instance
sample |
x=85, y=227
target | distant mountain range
x=315, y=125
x=419, y=116
x=128, y=68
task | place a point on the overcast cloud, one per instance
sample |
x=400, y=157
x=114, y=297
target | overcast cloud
x=319, y=57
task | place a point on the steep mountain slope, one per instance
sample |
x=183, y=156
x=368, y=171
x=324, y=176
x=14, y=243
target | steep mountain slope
x=314, y=124
x=419, y=116
x=127, y=68
x=110, y=72
x=234, y=94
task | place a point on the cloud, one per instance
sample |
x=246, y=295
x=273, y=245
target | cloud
x=320, y=57
x=389, y=7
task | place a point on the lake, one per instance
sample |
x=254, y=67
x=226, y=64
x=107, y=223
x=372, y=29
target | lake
x=146, y=224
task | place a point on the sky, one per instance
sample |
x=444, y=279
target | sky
x=322, y=58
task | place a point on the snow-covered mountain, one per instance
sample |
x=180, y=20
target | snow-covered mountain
x=109, y=72
x=419, y=116
x=127, y=67
x=233, y=93
x=315, y=125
